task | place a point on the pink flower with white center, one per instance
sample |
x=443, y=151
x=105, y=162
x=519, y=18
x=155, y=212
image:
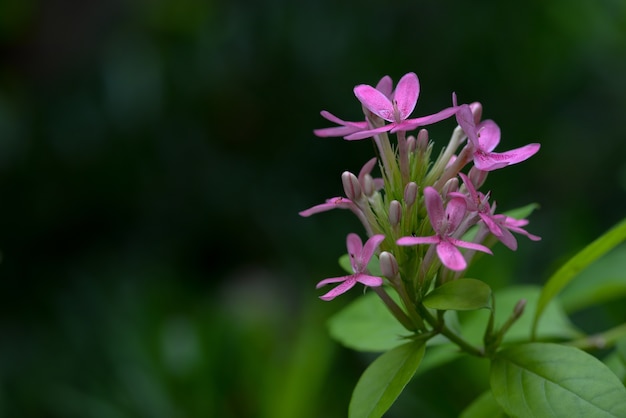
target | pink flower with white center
x=508, y=224
x=395, y=107
x=346, y=128
x=360, y=256
x=445, y=222
x=484, y=137
x=479, y=203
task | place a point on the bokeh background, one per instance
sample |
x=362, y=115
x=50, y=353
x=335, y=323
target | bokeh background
x=154, y=156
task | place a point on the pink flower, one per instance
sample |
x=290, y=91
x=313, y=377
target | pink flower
x=484, y=137
x=445, y=222
x=395, y=107
x=359, y=258
x=346, y=128
x=508, y=224
x=479, y=203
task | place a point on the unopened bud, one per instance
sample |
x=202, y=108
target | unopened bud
x=351, y=186
x=388, y=265
x=519, y=308
x=395, y=213
x=477, y=111
x=422, y=139
x=368, y=185
x=477, y=177
x=410, y=143
x=451, y=186
x=410, y=193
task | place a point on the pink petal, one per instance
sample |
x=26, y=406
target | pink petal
x=385, y=86
x=342, y=288
x=465, y=119
x=455, y=212
x=367, y=168
x=508, y=239
x=367, y=280
x=492, y=161
x=418, y=240
x=470, y=245
x=434, y=206
x=332, y=280
x=488, y=133
x=332, y=203
x=337, y=131
x=355, y=248
x=411, y=124
x=406, y=94
x=375, y=101
x=450, y=256
x=493, y=227
x=369, y=133
x=369, y=248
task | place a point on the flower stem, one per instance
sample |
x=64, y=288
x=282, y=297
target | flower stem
x=605, y=339
x=442, y=329
x=395, y=309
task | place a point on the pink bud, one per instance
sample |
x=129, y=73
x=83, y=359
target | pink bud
x=410, y=143
x=451, y=186
x=422, y=139
x=351, y=186
x=410, y=193
x=369, y=187
x=395, y=213
x=388, y=265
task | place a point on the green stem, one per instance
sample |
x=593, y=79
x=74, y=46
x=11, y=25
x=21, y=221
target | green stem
x=395, y=309
x=605, y=339
x=442, y=329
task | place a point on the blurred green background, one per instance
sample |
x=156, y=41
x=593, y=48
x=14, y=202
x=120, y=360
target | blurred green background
x=154, y=156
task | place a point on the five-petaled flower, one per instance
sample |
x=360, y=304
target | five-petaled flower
x=508, y=224
x=445, y=223
x=479, y=203
x=360, y=256
x=484, y=137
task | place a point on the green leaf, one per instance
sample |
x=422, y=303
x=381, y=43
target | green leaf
x=483, y=406
x=602, y=281
x=367, y=325
x=570, y=269
x=555, y=323
x=373, y=266
x=384, y=379
x=552, y=380
x=459, y=295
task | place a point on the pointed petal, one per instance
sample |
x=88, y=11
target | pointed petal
x=337, y=131
x=465, y=119
x=385, y=86
x=434, y=207
x=492, y=160
x=471, y=190
x=342, y=288
x=406, y=94
x=470, y=245
x=450, y=256
x=375, y=101
x=355, y=248
x=508, y=239
x=488, y=135
x=332, y=203
x=493, y=226
x=367, y=168
x=411, y=124
x=418, y=240
x=369, y=248
x=455, y=212
x=367, y=280
x=331, y=280
x=369, y=133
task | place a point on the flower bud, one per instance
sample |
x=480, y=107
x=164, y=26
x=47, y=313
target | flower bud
x=477, y=177
x=351, y=186
x=410, y=143
x=395, y=213
x=422, y=139
x=451, y=185
x=519, y=308
x=388, y=265
x=368, y=185
x=477, y=111
x=410, y=193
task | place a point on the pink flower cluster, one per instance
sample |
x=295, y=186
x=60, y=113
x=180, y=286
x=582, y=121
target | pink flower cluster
x=420, y=208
